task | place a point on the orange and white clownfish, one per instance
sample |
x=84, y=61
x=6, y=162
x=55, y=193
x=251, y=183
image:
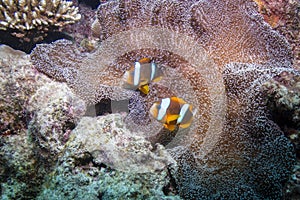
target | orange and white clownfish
x=141, y=74
x=172, y=112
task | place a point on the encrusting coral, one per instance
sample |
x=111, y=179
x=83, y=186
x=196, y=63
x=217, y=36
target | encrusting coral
x=33, y=19
x=214, y=54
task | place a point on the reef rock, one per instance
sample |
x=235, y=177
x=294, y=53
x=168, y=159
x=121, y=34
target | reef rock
x=20, y=173
x=109, y=142
x=36, y=118
x=214, y=54
x=55, y=112
x=18, y=82
x=105, y=160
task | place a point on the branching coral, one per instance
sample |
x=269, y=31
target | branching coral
x=23, y=18
x=215, y=55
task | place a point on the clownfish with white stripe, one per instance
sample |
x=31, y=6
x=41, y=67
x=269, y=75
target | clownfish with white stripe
x=141, y=74
x=172, y=112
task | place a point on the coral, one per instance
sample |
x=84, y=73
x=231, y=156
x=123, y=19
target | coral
x=32, y=19
x=108, y=185
x=83, y=171
x=216, y=55
x=81, y=31
x=55, y=111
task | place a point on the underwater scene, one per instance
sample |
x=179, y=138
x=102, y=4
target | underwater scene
x=150, y=99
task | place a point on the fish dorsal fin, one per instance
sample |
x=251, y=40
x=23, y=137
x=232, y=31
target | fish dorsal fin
x=144, y=89
x=172, y=118
x=144, y=60
x=179, y=100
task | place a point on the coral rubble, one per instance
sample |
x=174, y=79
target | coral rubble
x=214, y=54
x=31, y=20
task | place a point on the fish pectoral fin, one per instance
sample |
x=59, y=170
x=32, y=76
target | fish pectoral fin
x=144, y=89
x=157, y=79
x=166, y=126
x=170, y=127
x=144, y=60
x=172, y=118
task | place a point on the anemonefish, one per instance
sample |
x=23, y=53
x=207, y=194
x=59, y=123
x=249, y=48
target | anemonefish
x=141, y=74
x=172, y=112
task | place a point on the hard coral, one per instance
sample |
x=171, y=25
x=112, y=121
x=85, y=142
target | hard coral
x=32, y=19
x=36, y=118
x=214, y=54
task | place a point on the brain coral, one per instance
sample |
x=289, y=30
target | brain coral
x=215, y=55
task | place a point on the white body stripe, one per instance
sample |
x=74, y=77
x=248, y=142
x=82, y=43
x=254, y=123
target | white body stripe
x=165, y=103
x=182, y=113
x=153, y=69
x=137, y=73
